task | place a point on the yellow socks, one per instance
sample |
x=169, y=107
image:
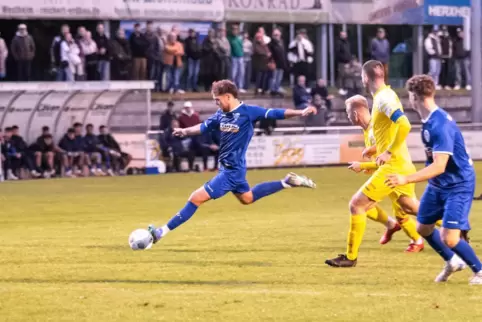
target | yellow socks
x=378, y=214
x=358, y=224
x=410, y=228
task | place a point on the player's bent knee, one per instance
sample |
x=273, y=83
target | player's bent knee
x=450, y=237
x=359, y=204
x=245, y=198
x=199, y=197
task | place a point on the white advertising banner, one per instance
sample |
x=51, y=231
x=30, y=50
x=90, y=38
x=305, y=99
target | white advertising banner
x=191, y=10
x=301, y=11
x=274, y=151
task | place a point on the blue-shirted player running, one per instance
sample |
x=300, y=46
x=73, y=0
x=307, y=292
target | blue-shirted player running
x=235, y=123
x=451, y=183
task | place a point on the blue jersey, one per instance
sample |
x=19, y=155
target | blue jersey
x=440, y=134
x=236, y=129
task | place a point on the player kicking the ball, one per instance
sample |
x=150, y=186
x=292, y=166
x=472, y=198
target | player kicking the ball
x=235, y=123
x=451, y=183
x=390, y=128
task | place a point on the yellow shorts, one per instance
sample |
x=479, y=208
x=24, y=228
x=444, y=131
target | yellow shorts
x=376, y=189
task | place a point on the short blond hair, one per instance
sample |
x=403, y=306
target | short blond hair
x=357, y=101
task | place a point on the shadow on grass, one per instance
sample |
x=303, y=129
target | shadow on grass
x=126, y=281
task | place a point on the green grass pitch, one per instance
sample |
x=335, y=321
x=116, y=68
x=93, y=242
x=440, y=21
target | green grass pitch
x=64, y=256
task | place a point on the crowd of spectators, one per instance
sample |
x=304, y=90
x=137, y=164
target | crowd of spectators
x=76, y=154
x=447, y=54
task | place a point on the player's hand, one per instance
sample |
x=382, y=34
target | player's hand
x=383, y=158
x=368, y=171
x=368, y=152
x=309, y=110
x=214, y=147
x=395, y=180
x=355, y=166
x=179, y=132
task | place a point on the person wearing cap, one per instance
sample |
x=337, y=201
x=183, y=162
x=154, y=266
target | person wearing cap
x=23, y=52
x=462, y=62
x=188, y=116
x=380, y=50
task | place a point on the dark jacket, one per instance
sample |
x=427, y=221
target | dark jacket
x=459, y=49
x=380, y=49
x=174, y=143
x=139, y=45
x=103, y=42
x=166, y=119
x=108, y=141
x=91, y=143
x=278, y=53
x=192, y=48
x=19, y=143
x=120, y=49
x=70, y=145
x=153, y=49
x=23, y=47
x=260, y=57
x=301, y=95
x=41, y=146
x=322, y=91
x=209, y=57
x=343, y=51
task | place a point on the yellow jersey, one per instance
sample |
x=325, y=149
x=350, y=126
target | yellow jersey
x=385, y=103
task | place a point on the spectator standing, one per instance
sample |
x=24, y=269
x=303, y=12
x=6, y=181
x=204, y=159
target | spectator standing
x=266, y=38
x=353, y=82
x=278, y=53
x=70, y=57
x=3, y=59
x=433, y=50
x=162, y=40
x=247, y=54
x=153, y=52
x=172, y=60
x=344, y=56
x=55, y=53
x=261, y=57
x=210, y=60
x=103, y=46
x=89, y=49
x=446, y=46
x=224, y=50
x=193, y=53
x=139, y=46
x=300, y=54
x=301, y=94
x=237, y=57
x=380, y=50
x=462, y=62
x=167, y=116
x=121, y=56
x=23, y=51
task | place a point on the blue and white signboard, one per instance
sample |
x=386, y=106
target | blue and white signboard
x=446, y=12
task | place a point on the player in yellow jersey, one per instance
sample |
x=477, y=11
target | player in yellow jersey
x=390, y=129
x=359, y=114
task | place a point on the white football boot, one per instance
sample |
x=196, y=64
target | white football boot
x=456, y=264
x=476, y=279
x=295, y=180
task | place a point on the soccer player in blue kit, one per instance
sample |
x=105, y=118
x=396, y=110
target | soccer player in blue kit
x=234, y=121
x=451, y=183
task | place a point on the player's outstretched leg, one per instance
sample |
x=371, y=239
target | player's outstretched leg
x=379, y=215
x=197, y=198
x=292, y=180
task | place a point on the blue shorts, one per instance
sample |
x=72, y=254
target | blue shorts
x=226, y=181
x=450, y=205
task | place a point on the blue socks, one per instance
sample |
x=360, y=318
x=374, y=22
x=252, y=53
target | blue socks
x=466, y=252
x=266, y=188
x=438, y=245
x=182, y=216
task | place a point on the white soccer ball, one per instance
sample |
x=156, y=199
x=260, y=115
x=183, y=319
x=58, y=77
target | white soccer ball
x=140, y=239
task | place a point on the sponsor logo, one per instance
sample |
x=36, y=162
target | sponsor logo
x=19, y=109
x=228, y=127
x=74, y=108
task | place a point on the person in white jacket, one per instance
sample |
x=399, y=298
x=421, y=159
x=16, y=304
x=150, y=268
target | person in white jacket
x=300, y=54
x=70, y=59
x=433, y=50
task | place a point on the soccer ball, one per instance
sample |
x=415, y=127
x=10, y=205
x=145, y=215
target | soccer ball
x=140, y=239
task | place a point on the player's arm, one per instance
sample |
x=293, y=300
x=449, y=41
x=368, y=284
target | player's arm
x=258, y=113
x=188, y=131
x=436, y=168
